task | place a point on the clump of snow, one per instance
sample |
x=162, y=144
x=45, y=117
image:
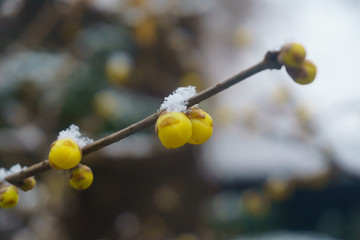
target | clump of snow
x=14, y=169
x=73, y=132
x=177, y=101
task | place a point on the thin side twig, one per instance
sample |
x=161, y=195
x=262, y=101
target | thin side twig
x=269, y=62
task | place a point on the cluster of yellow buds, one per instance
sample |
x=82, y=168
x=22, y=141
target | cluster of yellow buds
x=9, y=194
x=301, y=70
x=65, y=154
x=177, y=128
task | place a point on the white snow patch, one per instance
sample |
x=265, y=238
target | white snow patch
x=177, y=101
x=73, y=132
x=14, y=169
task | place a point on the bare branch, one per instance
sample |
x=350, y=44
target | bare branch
x=269, y=62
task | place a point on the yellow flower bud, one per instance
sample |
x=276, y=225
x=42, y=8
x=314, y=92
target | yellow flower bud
x=28, y=183
x=292, y=55
x=81, y=177
x=304, y=74
x=64, y=154
x=9, y=196
x=174, y=129
x=202, y=126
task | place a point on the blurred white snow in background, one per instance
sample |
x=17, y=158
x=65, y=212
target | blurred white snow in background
x=329, y=32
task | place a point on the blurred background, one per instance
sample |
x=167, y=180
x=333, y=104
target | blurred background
x=283, y=162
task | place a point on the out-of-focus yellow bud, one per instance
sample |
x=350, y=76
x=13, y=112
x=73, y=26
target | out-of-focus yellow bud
x=186, y=236
x=281, y=95
x=145, y=32
x=105, y=104
x=241, y=37
x=316, y=181
x=191, y=79
x=278, y=190
x=28, y=183
x=304, y=74
x=303, y=113
x=202, y=125
x=118, y=68
x=256, y=204
x=81, y=177
x=292, y=55
x=166, y=198
x=9, y=195
x=174, y=129
x=64, y=154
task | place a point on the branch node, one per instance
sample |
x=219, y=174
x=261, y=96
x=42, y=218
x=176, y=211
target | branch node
x=271, y=58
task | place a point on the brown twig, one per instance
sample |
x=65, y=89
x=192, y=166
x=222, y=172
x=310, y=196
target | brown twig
x=269, y=62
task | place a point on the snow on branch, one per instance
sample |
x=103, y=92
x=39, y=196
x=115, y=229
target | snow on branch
x=178, y=100
x=16, y=168
x=73, y=132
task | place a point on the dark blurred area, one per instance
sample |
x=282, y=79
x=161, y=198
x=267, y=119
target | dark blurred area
x=104, y=65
